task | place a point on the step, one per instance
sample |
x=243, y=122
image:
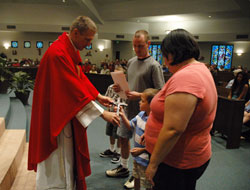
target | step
x=2, y=126
x=12, y=144
x=25, y=179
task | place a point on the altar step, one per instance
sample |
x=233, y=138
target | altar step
x=12, y=144
x=25, y=179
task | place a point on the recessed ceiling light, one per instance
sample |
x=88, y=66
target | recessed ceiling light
x=209, y=16
x=171, y=18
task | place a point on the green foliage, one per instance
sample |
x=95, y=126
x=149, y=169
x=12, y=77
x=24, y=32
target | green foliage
x=5, y=73
x=21, y=82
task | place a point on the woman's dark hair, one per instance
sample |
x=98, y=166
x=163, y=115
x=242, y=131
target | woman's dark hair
x=239, y=85
x=181, y=45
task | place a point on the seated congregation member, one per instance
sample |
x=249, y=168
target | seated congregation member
x=93, y=69
x=63, y=106
x=111, y=66
x=230, y=83
x=177, y=132
x=240, y=87
x=16, y=63
x=105, y=70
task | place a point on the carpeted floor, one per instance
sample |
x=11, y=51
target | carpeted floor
x=228, y=169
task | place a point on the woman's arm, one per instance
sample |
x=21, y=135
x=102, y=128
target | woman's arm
x=178, y=110
x=243, y=93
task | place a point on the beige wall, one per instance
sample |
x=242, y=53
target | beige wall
x=125, y=48
x=96, y=55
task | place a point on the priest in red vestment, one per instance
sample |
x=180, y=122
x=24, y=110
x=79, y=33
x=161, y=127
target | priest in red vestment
x=58, y=128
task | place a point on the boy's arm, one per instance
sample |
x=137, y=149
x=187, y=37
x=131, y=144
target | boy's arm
x=125, y=119
x=137, y=151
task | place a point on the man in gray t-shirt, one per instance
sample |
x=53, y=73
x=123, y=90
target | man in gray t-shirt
x=143, y=72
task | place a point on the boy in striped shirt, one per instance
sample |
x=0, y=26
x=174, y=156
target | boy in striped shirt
x=137, y=124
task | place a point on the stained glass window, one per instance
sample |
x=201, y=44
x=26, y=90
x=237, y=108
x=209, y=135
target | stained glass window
x=155, y=52
x=222, y=56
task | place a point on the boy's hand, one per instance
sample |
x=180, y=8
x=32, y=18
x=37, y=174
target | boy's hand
x=121, y=113
x=116, y=88
x=137, y=151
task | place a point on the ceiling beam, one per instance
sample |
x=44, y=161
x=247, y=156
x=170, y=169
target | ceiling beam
x=89, y=4
x=245, y=6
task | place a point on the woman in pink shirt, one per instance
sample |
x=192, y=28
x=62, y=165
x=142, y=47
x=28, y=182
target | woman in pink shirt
x=178, y=128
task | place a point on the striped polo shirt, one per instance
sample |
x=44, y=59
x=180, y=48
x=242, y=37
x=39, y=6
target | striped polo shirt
x=138, y=124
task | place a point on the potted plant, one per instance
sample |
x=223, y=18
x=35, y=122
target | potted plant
x=5, y=76
x=22, y=84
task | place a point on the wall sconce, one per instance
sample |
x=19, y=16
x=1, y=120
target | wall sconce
x=6, y=45
x=101, y=47
x=239, y=52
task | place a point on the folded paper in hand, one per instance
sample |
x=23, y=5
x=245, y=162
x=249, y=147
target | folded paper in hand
x=119, y=78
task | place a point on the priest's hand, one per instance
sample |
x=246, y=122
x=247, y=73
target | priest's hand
x=104, y=100
x=111, y=117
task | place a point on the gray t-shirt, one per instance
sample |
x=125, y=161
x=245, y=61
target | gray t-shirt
x=142, y=74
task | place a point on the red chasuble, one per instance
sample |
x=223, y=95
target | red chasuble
x=59, y=94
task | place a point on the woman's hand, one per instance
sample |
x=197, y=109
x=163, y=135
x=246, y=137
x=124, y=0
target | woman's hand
x=104, y=100
x=150, y=173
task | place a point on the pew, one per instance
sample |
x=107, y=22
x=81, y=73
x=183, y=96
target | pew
x=222, y=91
x=101, y=82
x=228, y=120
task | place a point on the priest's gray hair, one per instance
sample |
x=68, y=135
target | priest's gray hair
x=83, y=24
